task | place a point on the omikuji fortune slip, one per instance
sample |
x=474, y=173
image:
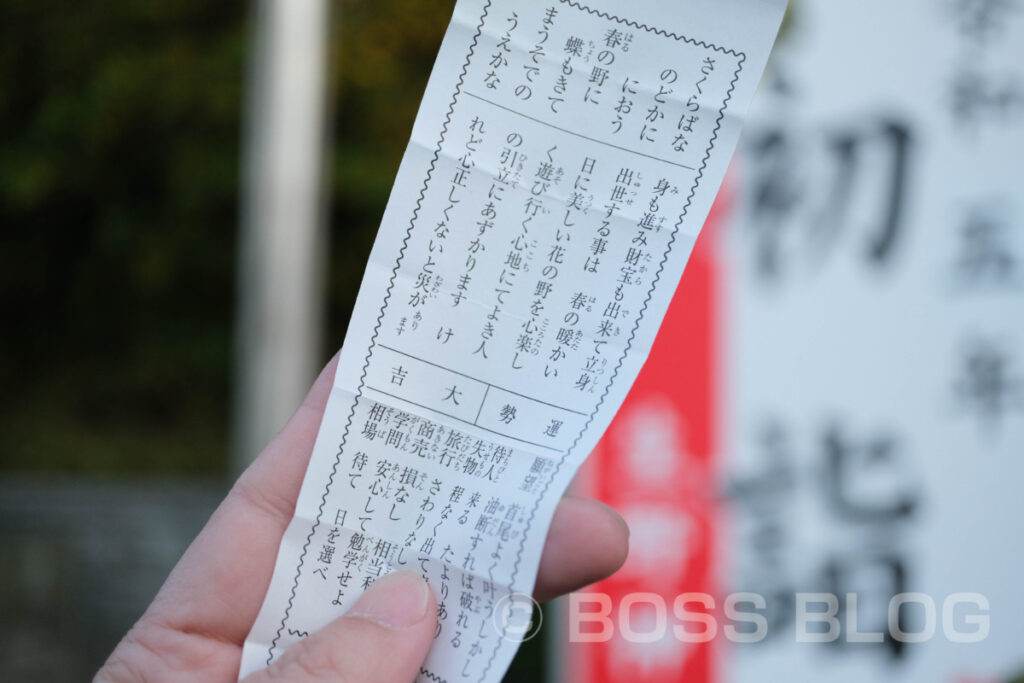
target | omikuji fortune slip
x=561, y=166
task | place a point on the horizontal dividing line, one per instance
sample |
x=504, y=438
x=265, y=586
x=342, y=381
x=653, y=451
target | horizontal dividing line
x=579, y=135
x=480, y=381
x=459, y=419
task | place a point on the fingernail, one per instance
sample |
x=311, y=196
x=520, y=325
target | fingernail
x=394, y=601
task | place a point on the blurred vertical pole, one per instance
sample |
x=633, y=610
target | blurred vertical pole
x=281, y=243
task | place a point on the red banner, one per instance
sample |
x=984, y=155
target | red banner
x=654, y=466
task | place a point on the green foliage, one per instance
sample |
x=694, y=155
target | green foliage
x=118, y=181
x=381, y=57
x=120, y=130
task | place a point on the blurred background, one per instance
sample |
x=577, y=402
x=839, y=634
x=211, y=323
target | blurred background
x=138, y=149
x=123, y=129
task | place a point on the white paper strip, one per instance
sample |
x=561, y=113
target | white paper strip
x=562, y=163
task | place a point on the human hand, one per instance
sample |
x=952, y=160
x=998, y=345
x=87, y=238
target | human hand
x=196, y=625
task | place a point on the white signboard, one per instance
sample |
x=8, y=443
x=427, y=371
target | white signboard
x=876, y=370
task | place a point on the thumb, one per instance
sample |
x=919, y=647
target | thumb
x=384, y=638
